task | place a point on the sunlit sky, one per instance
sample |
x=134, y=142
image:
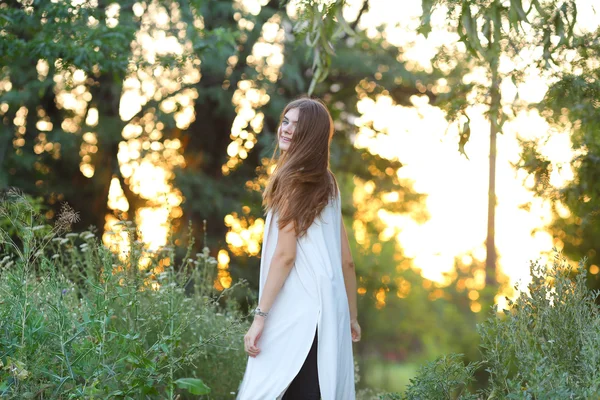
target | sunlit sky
x=418, y=136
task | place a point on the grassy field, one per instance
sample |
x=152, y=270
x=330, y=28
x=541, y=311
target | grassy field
x=389, y=376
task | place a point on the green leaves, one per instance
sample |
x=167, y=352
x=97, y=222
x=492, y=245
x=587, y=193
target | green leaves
x=536, y=348
x=490, y=30
x=69, y=37
x=545, y=345
x=517, y=14
x=425, y=28
x=443, y=379
x=320, y=26
x=80, y=36
x=571, y=103
x=468, y=31
x=193, y=385
x=465, y=134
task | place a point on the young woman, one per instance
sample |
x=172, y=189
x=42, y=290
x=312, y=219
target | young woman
x=300, y=342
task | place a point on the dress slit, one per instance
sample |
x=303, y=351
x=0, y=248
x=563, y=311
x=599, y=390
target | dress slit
x=305, y=383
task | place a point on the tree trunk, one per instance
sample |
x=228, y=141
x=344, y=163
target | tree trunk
x=490, y=262
x=491, y=258
x=205, y=141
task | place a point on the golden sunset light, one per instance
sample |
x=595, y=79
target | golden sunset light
x=419, y=136
x=456, y=188
x=140, y=161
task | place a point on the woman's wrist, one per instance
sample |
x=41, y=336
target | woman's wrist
x=258, y=312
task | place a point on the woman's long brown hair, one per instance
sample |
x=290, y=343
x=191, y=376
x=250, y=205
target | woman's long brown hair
x=302, y=184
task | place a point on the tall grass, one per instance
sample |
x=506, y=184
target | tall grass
x=79, y=321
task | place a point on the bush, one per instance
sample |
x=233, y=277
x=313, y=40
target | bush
x=78, y=321
x=546, y=345
x=456, y=378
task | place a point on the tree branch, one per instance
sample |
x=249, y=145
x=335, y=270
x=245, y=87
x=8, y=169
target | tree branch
x=364, y=8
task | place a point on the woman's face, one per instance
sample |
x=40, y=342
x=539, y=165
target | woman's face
x=287, y=128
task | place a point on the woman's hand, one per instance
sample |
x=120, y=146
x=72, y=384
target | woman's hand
x=355, y=328
x=252, y=336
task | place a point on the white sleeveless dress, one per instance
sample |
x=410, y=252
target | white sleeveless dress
x=313, y=298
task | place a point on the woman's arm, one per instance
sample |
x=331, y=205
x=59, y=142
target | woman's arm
x=281, y=265
x=349, y=274
x=350, y=283
x=279, y=269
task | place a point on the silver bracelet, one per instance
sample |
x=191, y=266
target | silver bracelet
x=257, y=311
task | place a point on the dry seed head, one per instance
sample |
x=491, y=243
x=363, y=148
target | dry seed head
x=14, y=192
x=66, y=217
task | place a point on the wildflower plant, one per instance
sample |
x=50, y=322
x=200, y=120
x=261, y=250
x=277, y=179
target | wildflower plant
x=79, y=321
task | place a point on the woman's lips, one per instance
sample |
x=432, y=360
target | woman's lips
x=286, y=139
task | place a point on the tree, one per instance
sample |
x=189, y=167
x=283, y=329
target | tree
x=71, y=152
x=93, y=39
x=571, y=105
x=489, y=30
